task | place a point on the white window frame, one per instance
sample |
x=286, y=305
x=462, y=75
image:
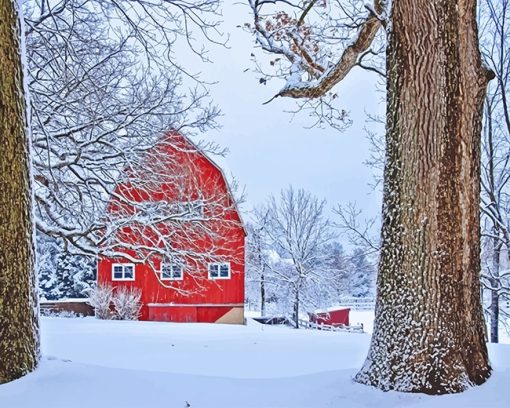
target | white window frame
x=123, y=265
x=172, y=278
x=219, y=269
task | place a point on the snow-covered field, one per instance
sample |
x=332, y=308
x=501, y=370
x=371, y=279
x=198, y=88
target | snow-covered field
x=115, y=364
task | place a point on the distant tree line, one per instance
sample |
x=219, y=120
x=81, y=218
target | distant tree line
x=295, y=262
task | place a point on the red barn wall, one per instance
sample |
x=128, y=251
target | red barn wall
x=221, y=296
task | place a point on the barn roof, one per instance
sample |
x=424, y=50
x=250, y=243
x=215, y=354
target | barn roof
x=222, y=168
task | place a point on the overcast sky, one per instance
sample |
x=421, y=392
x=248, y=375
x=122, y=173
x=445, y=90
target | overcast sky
x=268, y=149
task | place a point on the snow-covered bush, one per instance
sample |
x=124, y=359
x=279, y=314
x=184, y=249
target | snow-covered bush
x=100, y=298
x=127, y=303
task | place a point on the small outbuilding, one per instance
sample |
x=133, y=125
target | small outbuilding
x=335, y=316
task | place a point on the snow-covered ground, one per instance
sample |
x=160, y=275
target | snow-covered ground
x=114, y=364
x=365, y=317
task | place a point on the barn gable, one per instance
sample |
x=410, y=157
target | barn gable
x=197, y=272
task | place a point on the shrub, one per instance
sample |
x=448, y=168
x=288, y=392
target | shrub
x=127, y=303
x=101, y=299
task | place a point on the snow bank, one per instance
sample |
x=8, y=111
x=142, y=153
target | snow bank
x=91, y=363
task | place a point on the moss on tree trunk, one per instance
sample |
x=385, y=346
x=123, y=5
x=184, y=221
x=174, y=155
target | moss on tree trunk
x=19, y=339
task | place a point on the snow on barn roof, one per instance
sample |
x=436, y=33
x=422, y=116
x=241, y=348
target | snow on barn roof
x=221, y=163
x=331, y=309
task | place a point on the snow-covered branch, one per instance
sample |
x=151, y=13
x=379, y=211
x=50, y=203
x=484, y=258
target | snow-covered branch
x=105, y=89
x=298, y=38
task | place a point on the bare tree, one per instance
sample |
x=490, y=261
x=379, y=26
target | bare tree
x=495, y=40
x=359, y=232
x=108, y=91
x=257, y=263
x=429, y=329
x=296, y=227
x=19, y=334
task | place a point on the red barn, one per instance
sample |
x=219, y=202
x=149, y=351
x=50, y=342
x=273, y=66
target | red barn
x=198, y=274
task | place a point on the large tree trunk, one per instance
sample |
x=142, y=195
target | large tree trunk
x=429, y=327
x=19, y=339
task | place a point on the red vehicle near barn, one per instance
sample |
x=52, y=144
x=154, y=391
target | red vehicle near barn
x=201, y=279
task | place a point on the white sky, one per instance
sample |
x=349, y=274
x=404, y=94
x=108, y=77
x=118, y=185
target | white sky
x=268, y=152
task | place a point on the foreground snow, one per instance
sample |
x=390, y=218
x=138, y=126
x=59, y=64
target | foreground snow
x=94, y=364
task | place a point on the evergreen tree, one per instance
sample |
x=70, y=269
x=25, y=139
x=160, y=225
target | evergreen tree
x=63, y=275
x=361, y=275
x=75, y=275
x=337, y=266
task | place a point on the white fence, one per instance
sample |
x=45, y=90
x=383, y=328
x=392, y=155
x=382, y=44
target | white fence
x=369, y=303
x=358, y=303
x=310, y=325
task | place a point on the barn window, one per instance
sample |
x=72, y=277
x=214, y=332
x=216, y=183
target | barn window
x=219, y=270
x=171, y=271
x=123, y=272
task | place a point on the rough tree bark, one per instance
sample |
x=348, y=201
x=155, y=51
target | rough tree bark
x=19, y=339
x=429, y=326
